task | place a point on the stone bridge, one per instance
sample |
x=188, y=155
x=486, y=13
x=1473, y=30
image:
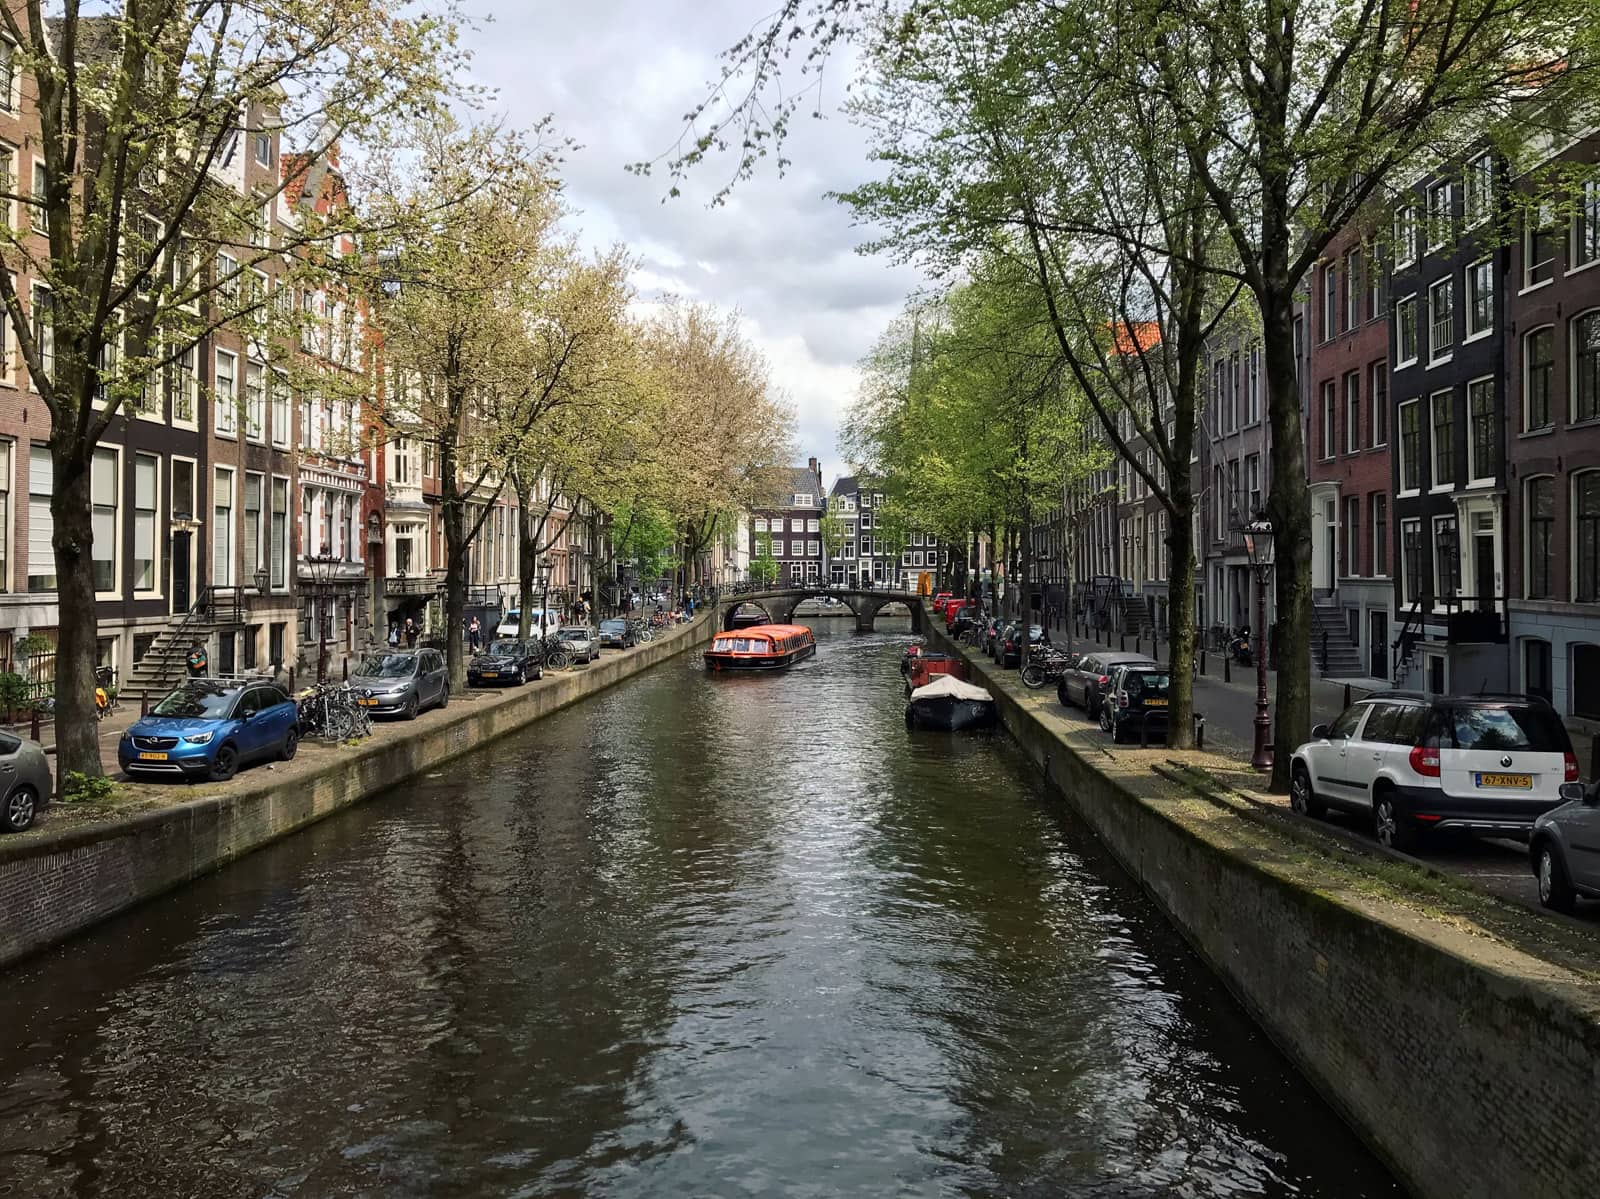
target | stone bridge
x=779, y=604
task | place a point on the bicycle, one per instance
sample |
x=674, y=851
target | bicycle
x=332, y=711
x=1045, y=667
x=553, y=653
x=105, y=691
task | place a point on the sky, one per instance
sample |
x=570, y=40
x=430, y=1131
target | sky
x=617, y=76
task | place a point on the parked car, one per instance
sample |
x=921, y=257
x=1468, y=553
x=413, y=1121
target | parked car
x=1565, y=849
x=1085, y=684
x=401, y=682
x=580, y=642
x=952, y=611
x=208, y=728
x=991, y=634
x=506, y=661
x=24, y=782
x=967, y=618
x=617, y=633
x=511, y=622
x=1136, y=696
x=941, y=601
x=1010, y=653
x=1412, y=762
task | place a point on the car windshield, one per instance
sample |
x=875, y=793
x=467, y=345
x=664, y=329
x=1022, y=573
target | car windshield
x=505, y=649
x=1535, y=728
x=387, y=666
x=612, y=626
x=209, y=702
x=1141, y=682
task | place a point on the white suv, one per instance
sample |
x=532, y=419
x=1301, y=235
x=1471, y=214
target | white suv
x=1482, y=763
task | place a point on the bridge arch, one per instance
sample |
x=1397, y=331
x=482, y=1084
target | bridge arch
x=778, y=604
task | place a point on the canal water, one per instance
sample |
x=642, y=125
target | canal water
x=694, y=937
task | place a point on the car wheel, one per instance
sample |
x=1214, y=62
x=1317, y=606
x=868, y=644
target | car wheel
x=409, y=712
x=444, y=698
x=21, y=806
x=1555, y=889
x=291, y=744
x=1061, y=694
x=1303, y=797
x=1106, y=724
x=1391, y=828
x=225, y=765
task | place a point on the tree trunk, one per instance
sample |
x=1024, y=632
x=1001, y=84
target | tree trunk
x=1180, y=615
x=1291, y=522
x=77, y=732
x=452, y=512
x=527, y=556
x=1025, y=568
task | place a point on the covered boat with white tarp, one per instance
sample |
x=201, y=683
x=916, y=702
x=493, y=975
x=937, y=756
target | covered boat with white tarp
x=949, y=703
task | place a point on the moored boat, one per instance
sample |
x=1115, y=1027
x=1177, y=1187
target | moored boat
x=760, y=647
x=949, y=704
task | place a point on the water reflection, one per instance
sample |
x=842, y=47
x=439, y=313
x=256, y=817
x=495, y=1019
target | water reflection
x=697, y=936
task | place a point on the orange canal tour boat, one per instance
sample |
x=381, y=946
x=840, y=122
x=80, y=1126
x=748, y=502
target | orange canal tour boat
x=760, y=647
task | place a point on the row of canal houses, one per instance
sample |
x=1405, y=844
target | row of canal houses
x=228, y=509
x=1449, y=354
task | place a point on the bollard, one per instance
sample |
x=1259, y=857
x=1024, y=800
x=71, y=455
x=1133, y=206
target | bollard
x=1138, y=642
x=1594, y=759
x=347, y=670
x=291, y=680
x=144, y=704
x=1144, y=730
x=1227, y=668
x=1199, y=731
x=1122, y=640
x=1347, y=695
x=1324, y=651
x=33, y=723
x=1202, y=662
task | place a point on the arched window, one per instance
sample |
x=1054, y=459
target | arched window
x=1538, y=375
x=1586, y=537
x=1539, y=523
x=1586, y=365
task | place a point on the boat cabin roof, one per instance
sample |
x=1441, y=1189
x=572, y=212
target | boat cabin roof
x=773, y=630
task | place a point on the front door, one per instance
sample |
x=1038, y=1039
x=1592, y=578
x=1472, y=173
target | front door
x=1378, y=645
x=1330, y=543
x=180, y=571
x=1483, y=569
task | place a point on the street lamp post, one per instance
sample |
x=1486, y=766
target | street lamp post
x=544, y=601
x=1259, y=544
x=322, y=567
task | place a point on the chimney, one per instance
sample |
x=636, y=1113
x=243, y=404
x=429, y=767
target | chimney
x=812, y=463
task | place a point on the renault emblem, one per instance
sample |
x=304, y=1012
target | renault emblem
x=1505, y=760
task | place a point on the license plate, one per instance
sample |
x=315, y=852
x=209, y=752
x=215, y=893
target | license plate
x=367, y=703
x=491, y=674
x=150, y=757
x=1155, y=703
x=1521, y=781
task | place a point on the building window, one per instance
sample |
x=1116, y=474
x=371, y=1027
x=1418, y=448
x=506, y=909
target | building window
x=1586, y=536
x=1441, y=320
x=255, y=401
x=252, y=523
x=1378, y=503
x=797, y=525
x=182, y=489
x=1352, y=535
x=1538, y=364
x=41, y=526
x=1443, y=439
x=1585, y=366
x=761, y=524
x=225, y=401
x=813, y=526
x=1352, y=288
x=222, y=527
x=1405, y=331
x=1405, y=236
x=8, y=73
x=44, y=330
x=1480, y=298
x=278, y=401
x=1252, y=483
x=1586, y=225
x=1377, y=287
x=1484, y=428
x=227, y=278
x=103, y=495
x=1410, y=445
x=802, y=499
x=1330, y=302
x=5, y=515
x=1378, y=401
x=1538, y=245
x=1352, y=412
x=185, y=386
x=1411, y=561
x=40, y=217
x=1439, y=196
x=1330, y=414
x=1252, y=395
x=1479, y=189
x=146, y=501
x=1446, y=557
x=1541, y=527
x=1536, y=669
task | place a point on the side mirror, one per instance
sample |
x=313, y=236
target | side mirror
x=1572, y=791
x=1320, y=732
x=248, y=714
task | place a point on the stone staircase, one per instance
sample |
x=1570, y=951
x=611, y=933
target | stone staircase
x=1344, y=658
x=1135, y=616
x=165, y=663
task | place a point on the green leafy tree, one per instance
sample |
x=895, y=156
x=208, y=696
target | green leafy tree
x=763, y=566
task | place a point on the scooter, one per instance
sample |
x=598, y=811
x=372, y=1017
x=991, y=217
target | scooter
x=1239, y=649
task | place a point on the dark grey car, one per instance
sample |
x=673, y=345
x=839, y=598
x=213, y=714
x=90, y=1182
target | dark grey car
x=1085, y=684
x=401, y=682
x=24, y=782
x=1565, y=849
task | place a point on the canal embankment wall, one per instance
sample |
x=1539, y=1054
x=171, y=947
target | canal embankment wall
x=57, y=882
x=1472, y=1067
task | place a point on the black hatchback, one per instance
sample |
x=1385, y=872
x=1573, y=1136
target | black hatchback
x=1135, y=704
x=506, y=662
x=1085, y=684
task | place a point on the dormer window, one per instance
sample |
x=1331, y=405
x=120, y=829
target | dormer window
x=802, y=499
x=263, y=145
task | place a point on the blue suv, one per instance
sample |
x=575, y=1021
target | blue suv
x=208, y=728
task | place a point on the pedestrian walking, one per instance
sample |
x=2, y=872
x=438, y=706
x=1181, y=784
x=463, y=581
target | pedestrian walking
x=412, y=633
x=394, y=635
x=475, y=634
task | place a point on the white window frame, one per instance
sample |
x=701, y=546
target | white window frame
x=1412, y=486
x=1447, y=395
x=212, y=493
x=1352, y=412
x=1408, y=586
x=1535, y=218
x=1438, y=542
x=118, y=511
x=1405, y=235
x=1526, y=362
x=1447, y=287
x=1471, y=296
x=259, y=437
x=1479, y=169
x=1437, y=228
x=156, y=562
x=1587, y=211
x=1405, y=317
x=1473, y=478
x=225, y=408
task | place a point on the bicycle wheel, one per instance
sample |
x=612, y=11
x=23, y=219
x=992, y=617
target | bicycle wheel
x=1033, y=675
x=557, y=659
x=340, y=724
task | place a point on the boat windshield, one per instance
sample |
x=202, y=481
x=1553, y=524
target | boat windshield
x=739, y=645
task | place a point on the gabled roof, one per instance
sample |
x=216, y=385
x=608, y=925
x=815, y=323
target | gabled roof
x=787, y=481
x=844, y=485
x=1130, y=336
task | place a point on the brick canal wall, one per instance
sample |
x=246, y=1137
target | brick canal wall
x=57, y=883
x=1472, y=1068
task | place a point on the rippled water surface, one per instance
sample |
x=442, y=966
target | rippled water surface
x=693, y=937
